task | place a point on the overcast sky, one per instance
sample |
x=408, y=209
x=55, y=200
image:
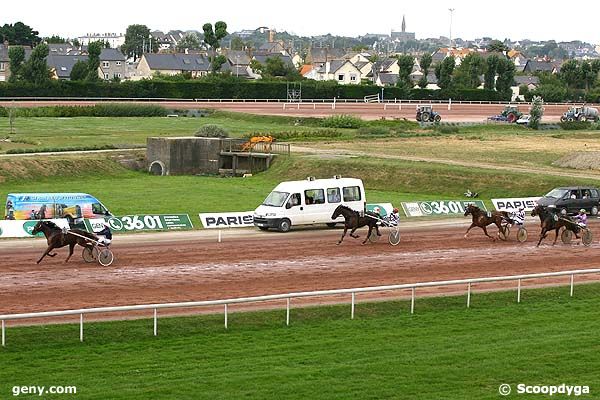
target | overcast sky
x=534, y=20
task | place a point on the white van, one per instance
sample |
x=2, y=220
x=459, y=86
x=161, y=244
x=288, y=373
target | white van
x=311, y=201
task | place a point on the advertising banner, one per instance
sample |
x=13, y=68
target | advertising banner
x=130, y=223
x=242, y=219
x=19, y=229
x=513, y=204
x=385, y=209
x=439, y=207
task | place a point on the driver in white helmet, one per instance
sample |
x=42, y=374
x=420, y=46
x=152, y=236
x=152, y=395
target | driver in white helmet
x=105, y=235
x=518, y=216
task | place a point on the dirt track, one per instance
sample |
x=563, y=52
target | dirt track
x=458, y=112
x=186, y=267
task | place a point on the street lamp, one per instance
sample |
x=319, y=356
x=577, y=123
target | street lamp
x=451, y=11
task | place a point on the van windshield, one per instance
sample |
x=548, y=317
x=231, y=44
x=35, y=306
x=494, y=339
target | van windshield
x=557, y=193
x=276, y=199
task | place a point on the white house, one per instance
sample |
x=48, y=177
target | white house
x=342, y=71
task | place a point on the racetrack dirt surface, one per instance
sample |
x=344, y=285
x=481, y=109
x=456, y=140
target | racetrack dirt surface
x=179, y=268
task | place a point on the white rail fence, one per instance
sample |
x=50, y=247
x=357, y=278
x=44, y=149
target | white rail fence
x=289, y=296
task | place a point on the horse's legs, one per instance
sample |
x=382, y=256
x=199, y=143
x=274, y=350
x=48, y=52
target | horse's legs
x=377, y=230
x=542, y=236
x=556, y=236
x=71, y=247
x=47, y=252
x=486, y=233
x=467, y=232
x=343, y=234
x=368, y=234
x=352, y=233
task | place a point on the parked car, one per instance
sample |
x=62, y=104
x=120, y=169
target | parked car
x=524, y=120
x=571, y=199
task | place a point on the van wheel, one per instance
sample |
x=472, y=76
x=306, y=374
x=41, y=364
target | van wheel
x=284, y=225
x=331, y=224
x=594, y=210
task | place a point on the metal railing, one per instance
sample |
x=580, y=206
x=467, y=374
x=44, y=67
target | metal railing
x=244, y=146
x=289, y=296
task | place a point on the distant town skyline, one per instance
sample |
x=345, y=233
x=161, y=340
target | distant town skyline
x=470, y=20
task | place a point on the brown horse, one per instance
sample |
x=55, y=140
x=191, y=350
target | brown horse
x=553, y=221
x=56, y=238
x=353, y=220
x=482, y=219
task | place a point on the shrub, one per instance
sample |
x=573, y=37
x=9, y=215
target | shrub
x=302, y=135
x=342, y=121
x=98, y=110
x=210, y=130
x=59, y=149
x=575, y=125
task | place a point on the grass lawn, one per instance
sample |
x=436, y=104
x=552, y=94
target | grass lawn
x=443, y=351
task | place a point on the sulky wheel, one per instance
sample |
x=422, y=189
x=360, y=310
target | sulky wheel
x=373, y=237
x=522, y=235
x=394, y=237
x=106, y=257
x=587, y=237
x=566, y=236
x=88, y=255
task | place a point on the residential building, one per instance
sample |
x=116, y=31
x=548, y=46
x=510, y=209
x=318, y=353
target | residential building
x=61, y=65
x=342, y=71
x=532, y=66
x=4, y=62
x=114, y=39
x=321, y=55
x=172, y=64
x=113, y=65
x=386, y=79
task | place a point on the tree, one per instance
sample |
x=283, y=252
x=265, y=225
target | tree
x=189, y=41
x=19, y=34
x=468, y=72
x=138, y=41
x=55, y=39
x=405, y=65
x=213, y=38
x=217, y=62
x=16, y=56
x=443, y=72
x=35, y=70
x=570, y=73
x=536, y=113
x=93, y=63
x=496, y=46
x=256, y=67
x=506, y=75
x=237, y=43
x=425, y=64
x=79, y=71
x=489, y=77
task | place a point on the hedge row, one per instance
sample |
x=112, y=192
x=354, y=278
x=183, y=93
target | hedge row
x=234, y=89
x=99, y=110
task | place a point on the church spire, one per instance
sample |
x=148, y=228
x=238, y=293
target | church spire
x=403, y=24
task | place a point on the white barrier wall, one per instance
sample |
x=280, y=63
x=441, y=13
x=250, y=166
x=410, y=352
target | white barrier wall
x=512, y=204
x=23, y=228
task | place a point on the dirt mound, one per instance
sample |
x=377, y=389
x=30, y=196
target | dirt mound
x=582, y=160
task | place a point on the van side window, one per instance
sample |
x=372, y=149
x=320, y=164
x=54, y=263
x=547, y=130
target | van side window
x=294, y=200
x=594, y=193
x=314, y=196
x=333, y=195
x=352, y=193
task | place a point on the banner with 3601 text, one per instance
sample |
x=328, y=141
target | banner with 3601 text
x=439, y=207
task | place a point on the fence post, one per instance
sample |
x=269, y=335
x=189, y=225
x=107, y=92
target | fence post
x=81, y=327
x=287, y=316
x=519, y=292
x=412, y=302
x=225, y=315
x=352, y=308
x=449, y=104
x=155, y=323
x=469, y=295
x=3, y=335
x=572, y=279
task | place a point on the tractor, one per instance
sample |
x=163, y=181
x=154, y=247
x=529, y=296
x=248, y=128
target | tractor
x=425, y=113
x=511, y=113
x=580, y=114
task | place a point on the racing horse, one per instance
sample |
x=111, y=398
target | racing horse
x=482, y=219
x=353, y=220
x=552, y=221
x=56, y=238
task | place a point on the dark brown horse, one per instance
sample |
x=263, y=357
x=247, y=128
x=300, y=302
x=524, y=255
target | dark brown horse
x=552, y=221
x=56, y=238
x=482, y=219
x=353, y=220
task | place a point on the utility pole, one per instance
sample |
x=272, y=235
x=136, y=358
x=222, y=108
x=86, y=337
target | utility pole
x=451, y=12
